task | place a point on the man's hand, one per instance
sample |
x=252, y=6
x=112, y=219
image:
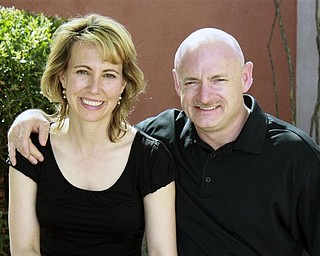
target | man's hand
x=29, y=121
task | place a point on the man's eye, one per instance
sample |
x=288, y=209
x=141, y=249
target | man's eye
x=218, y=80
x=191, y=83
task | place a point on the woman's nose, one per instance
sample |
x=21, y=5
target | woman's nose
x=94, y=85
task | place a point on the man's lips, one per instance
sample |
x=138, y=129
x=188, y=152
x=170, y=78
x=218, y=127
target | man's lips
x=207, y=108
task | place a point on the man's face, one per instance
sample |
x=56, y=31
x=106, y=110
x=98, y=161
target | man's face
x=210, y=82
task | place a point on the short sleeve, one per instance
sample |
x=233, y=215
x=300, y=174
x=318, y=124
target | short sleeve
x=159, y=168
x=24, y=166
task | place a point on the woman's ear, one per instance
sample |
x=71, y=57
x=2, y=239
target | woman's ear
x=247, y=76
x=124, y=84
x=62, y=79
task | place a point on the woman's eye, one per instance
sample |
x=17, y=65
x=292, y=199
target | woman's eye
x=110, y=76
x=82, y=72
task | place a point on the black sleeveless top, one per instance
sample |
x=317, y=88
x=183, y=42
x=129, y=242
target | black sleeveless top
x=80, y=222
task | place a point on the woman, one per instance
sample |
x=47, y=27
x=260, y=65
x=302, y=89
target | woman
x=102, y=182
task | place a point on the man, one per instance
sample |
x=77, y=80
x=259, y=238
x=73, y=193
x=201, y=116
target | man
x=249, y=183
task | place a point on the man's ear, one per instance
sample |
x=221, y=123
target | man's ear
x=247, y=76
x=176, y=82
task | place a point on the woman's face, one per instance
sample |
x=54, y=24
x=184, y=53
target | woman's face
x=92, y=85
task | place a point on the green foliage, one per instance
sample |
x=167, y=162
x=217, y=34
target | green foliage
x=24, y=47
x=4, y=236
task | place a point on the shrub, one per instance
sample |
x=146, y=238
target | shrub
x=24, y=47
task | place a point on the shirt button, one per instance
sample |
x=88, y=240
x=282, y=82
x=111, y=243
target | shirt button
x=208, y=179
x=213, y=155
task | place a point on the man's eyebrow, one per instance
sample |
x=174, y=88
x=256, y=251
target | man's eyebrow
x=189, y=78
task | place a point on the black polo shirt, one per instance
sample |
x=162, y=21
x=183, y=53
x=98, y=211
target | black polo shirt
x=258, y=195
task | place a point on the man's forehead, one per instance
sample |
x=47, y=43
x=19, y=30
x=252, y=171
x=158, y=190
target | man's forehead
x=207, y=41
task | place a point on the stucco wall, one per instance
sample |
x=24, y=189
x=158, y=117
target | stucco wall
x=158, y=26
x=307, y=64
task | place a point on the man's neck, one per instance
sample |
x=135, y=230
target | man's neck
x=217, y=139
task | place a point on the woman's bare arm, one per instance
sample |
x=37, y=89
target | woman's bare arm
x=161, y=222
x=23, y=222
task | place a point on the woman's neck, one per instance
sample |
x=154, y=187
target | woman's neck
x=84, y=137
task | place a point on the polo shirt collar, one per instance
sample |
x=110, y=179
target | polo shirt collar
x=188, y=133
x=253, y=134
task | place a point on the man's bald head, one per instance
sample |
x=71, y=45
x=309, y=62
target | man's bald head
x=208, y=36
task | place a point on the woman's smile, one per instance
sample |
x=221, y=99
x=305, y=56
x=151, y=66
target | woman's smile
x=91, y=103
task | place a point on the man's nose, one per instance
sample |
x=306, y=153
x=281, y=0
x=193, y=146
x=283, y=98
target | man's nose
x=205, y=92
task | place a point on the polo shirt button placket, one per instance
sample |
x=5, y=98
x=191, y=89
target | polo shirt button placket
x=208, y=179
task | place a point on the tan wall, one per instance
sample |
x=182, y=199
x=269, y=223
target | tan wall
x=159, y=26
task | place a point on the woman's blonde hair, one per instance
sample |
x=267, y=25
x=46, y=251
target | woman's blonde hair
x=115, y=44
